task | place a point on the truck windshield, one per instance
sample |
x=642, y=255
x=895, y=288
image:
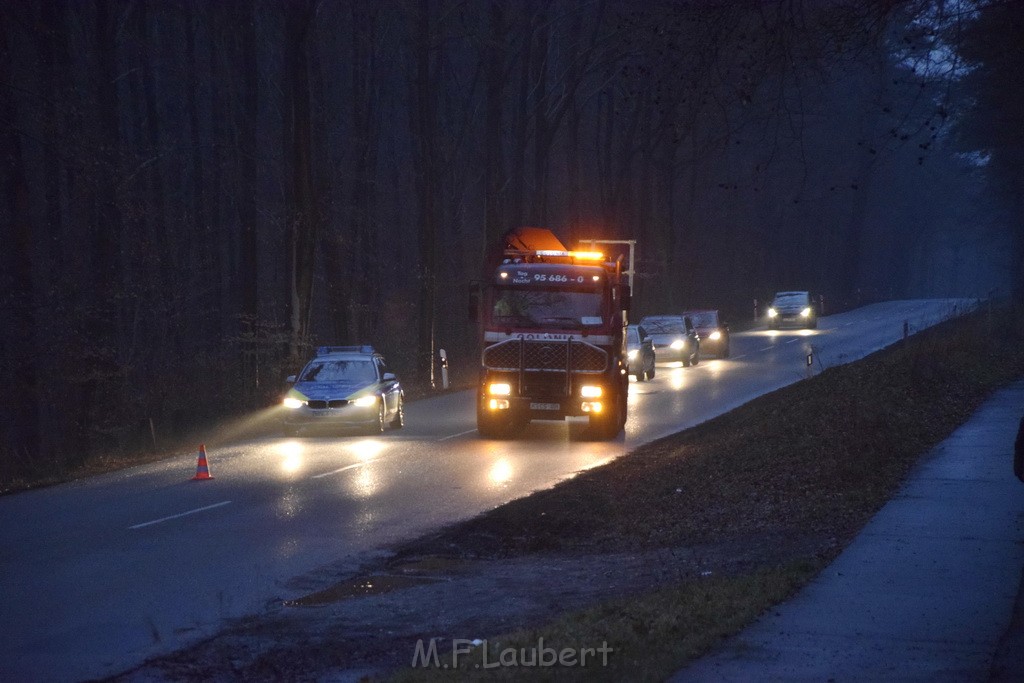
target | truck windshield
x=533, y=308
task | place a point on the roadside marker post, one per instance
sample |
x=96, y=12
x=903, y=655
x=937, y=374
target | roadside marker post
x=444, y=368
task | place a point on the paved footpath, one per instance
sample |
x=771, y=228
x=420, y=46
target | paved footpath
x=927, y=592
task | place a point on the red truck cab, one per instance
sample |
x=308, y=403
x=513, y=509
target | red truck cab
x=553, y=341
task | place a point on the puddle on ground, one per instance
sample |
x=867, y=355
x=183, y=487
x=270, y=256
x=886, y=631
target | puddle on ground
x=428, y=564
x=359, y=588
x=404, y=574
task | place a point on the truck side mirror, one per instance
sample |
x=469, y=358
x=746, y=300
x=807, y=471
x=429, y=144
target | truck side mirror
x=474, y=302
x=290, y=379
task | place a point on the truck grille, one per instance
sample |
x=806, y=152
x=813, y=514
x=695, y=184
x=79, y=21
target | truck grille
x=544, y=385
x=545, y=356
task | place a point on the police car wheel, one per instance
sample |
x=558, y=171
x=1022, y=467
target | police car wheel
x=399, y=420
x=377, y=427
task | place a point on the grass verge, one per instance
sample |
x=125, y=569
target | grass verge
x=799, y=471
x=647, y=635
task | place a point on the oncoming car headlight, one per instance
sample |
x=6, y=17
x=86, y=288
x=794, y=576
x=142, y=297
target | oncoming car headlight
x=772, y=313
x=590, y=391
x=365, y=401
x=806, y=312
x=292, y=403
x=715, y=336
x=631, y=354
x=678, y=344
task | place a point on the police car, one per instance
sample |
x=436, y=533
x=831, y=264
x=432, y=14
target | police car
x=344, y=386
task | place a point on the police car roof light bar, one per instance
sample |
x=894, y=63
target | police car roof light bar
x=324, y=350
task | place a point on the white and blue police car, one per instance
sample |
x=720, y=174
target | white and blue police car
x=344, y=386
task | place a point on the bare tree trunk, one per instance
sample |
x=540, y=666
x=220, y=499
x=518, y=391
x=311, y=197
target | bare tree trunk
x=366, y=271
x=494, y=175
x=303, y=221
x=104, y=320
x=521, y=130
x=537, y=57
x=424, y=123
x=53, y=52
x=17, y=295
x=248, y=113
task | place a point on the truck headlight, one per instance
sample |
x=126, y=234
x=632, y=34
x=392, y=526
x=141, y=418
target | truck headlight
x=590, y=391
x=365, y=401
x=715, y=336
x=499, y=389
x=292, y=403
x=678, y=344
x=772, y=313
x=806, y=312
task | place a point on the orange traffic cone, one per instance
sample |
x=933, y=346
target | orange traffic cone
x=202, y=467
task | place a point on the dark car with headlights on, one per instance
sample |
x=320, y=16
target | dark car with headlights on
x=794, y=309
x=673, y=338
x=639, y=354
x=344, y=386
x=713, y=332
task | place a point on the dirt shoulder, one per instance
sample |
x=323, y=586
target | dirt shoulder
x=659, y=553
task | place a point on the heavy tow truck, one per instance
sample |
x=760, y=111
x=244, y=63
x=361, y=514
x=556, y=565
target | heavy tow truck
x=553, y=323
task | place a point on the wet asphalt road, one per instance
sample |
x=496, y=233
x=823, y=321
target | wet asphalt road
x=100, y=574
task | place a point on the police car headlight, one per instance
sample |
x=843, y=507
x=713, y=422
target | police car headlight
x=678, y=344
x=806, y=312
x=715, y=336
x=631, y=354
x=292, y=403
x=365, y=401
x=772, y=313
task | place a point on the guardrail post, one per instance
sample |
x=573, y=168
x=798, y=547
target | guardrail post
x=755, y=310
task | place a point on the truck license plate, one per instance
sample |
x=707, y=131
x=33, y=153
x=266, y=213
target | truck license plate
x=545, y=406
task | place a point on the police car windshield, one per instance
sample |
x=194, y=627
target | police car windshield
x=524, y=307
x=336, y=370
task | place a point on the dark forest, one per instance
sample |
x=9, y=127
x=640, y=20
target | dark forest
x=196, y=193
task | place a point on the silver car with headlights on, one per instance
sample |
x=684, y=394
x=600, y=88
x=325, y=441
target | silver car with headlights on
x=673, y=337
